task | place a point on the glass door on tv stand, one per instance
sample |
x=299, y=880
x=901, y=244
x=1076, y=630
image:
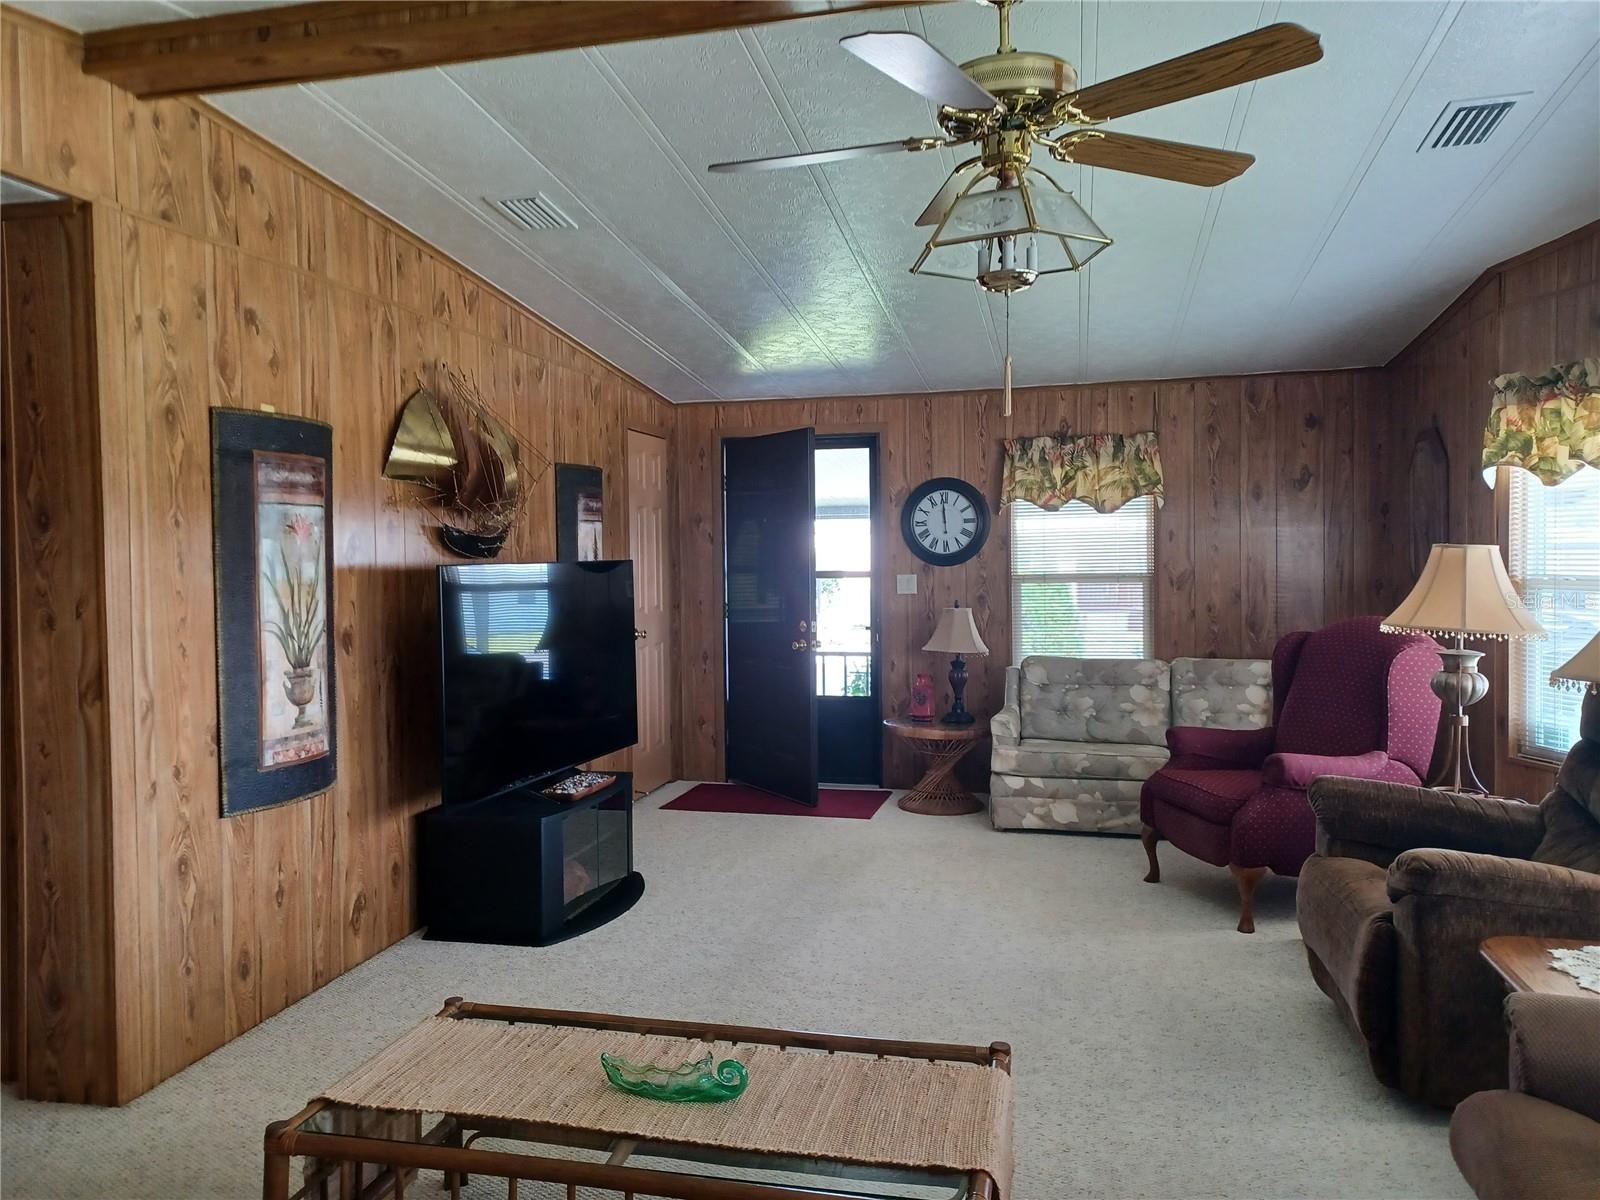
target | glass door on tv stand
x=594, y=850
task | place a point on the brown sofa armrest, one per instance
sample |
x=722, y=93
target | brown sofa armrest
x=1515, y=1147
x=1567, y=901
x=1555, y=1049
x=1375, y=820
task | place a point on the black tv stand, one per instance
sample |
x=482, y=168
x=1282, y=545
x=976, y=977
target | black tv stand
x=522, y=869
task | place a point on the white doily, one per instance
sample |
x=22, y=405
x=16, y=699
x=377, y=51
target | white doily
x=1583, y=964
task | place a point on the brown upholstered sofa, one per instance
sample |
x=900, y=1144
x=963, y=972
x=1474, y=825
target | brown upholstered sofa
x=1406, y=883
x=1541, y=1139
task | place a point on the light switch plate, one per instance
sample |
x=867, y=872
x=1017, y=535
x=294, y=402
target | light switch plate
x=905, y=585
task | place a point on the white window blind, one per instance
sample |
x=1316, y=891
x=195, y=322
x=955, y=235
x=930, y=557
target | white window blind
x=1554, y=539
x=1081, y=580
x=501, y=618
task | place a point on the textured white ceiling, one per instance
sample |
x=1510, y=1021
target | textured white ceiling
x=1334, y=250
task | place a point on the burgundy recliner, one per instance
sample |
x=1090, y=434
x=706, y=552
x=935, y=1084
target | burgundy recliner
x=1346, y=700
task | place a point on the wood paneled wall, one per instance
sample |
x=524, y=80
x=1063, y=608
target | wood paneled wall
x=1524, y=315
x=227, y=274
x=1276, y=518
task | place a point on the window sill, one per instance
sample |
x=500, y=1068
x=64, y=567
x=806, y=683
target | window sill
x=1538, y=764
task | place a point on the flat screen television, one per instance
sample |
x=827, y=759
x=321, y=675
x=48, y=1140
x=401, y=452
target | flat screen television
x=537, y=671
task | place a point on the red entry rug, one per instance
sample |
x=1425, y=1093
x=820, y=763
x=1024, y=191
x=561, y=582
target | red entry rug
x=854, y=803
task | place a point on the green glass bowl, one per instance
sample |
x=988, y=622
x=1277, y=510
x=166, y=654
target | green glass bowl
x=693, y=1080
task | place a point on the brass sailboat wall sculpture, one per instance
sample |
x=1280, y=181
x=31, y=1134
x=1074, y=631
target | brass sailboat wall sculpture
x=423, y=450
x=470, y=470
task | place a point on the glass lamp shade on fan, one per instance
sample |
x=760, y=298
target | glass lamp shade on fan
x=1463, y=592
x=1008, y=235
x=957, y=634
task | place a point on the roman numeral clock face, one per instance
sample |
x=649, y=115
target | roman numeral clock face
x=945, y=521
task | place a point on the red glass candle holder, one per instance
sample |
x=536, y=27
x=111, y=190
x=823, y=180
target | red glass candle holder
x=921, y=698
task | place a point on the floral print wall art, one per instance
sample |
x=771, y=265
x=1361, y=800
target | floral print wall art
x=273, y=561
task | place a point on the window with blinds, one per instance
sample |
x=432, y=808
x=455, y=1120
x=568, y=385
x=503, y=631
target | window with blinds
x=1554, y=539
x=1081, y=580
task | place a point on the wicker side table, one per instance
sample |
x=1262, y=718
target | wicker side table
x=937, y=793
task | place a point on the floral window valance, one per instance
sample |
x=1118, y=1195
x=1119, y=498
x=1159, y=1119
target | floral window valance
x=1104, y=470
x=1548, y=424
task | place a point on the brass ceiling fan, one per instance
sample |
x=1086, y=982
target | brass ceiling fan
x=1013, y=100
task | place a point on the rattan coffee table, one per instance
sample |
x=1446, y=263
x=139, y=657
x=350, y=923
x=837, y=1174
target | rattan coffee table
x=824, y=1115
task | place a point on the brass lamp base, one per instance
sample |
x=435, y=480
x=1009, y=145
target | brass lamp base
x=1459, y=685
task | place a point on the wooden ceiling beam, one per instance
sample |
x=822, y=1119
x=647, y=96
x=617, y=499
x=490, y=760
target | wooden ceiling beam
x=334, y=39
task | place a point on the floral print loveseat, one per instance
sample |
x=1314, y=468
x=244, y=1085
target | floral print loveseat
x=1079, y=736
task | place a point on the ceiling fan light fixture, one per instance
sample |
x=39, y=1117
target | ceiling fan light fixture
x=1025, y=224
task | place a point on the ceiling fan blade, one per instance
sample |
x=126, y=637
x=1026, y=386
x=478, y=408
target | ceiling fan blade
x=946, y=195
x=1256, y=55
x=1199, y=165
x=815, y=157
x=909, y=60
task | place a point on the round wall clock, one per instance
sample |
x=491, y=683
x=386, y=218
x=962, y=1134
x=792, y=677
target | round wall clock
x=945, y=521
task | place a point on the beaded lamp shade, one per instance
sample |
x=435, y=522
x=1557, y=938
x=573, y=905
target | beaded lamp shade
x=1581, y=671
x=1464, y=591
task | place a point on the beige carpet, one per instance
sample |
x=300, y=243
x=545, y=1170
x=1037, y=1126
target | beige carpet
x=1158, y=1052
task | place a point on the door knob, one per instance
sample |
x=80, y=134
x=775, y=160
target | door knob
x=802, y=644
x=639, y=635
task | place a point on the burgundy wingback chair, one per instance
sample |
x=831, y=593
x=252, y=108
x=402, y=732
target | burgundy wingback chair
x=1346, y=700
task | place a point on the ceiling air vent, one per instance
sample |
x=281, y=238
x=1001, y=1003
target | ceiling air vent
x=1468, y=122
x=538, y=213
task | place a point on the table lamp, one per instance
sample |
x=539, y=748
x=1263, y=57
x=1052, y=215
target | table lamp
x=1582, y=671
x=957, y=634
x=1464, y=592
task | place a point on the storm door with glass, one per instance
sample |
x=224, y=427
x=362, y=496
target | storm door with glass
x=849, y=729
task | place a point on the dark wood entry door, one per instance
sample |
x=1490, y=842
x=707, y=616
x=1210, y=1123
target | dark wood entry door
x=768, y=508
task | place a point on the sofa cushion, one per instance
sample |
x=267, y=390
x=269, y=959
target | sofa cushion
x=1571, y=836
x=1571, y=811
x=1347, y=925
x=1095, y=700
x=1045, y=759
x=1579, y=776
x=1222, y=693
x=1210, y=795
